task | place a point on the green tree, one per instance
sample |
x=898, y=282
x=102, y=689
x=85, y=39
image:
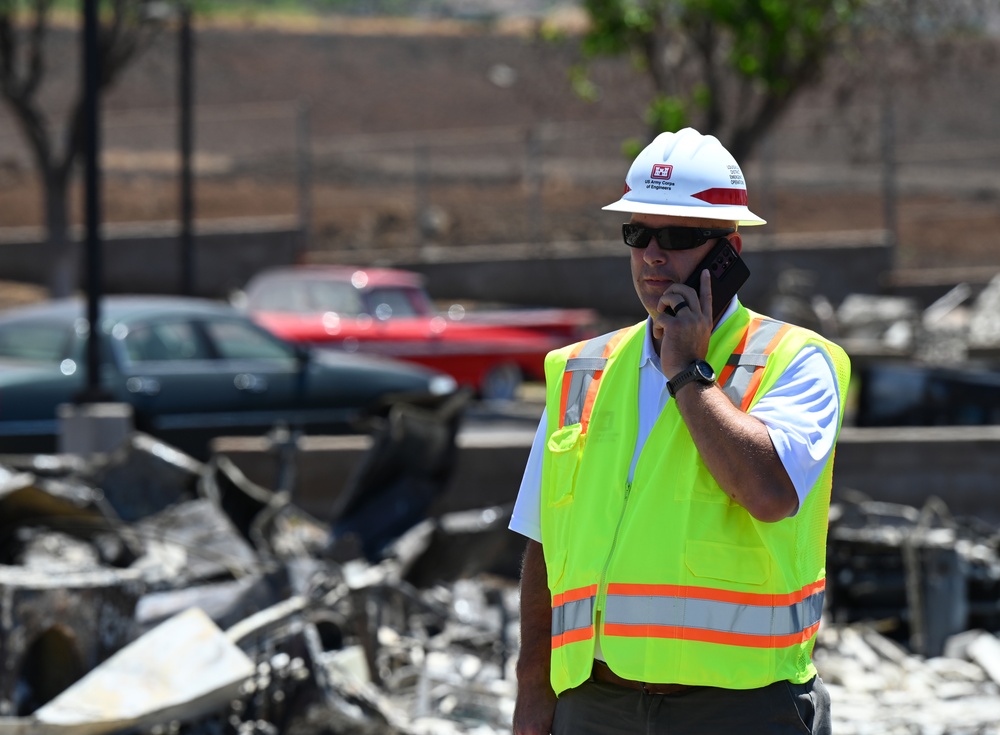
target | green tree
x=729, y=67
x=56, y=144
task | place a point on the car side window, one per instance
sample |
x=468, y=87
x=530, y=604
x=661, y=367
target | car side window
x=36, y=342
x=235, y=340
x=161, y=341
x=394, y=302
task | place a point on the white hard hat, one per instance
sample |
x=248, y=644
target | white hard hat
x=686, y=174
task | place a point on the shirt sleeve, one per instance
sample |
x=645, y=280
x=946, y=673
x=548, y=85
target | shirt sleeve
x=526, y=518
x=802, y=414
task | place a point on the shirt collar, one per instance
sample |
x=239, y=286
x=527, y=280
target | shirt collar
x=649, y=355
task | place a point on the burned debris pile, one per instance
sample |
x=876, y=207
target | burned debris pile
x=146, y=592
x=923, y=573
x=909, y=643
x=924, y=366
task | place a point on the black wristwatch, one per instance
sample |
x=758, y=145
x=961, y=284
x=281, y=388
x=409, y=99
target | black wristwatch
x=698, y=371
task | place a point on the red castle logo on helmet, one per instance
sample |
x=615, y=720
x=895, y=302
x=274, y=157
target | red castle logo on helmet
x=661, y=171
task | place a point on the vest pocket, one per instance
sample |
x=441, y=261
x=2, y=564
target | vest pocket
x=559, y=473
x=565, y=449
x=727, y=562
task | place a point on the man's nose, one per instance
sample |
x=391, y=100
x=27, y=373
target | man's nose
x=654, y=253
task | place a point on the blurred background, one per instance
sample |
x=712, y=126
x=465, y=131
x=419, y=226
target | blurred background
x=411, y=124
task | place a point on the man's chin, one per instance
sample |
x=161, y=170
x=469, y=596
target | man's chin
x=653, y=291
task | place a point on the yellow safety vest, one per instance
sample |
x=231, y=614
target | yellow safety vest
x=690, y=588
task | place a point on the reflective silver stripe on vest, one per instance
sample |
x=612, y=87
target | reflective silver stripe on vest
x=725, y=617
x=574, y=615
x=752, y=357
x=581, y=370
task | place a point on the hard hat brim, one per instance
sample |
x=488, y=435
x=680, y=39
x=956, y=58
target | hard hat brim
x=739, y=214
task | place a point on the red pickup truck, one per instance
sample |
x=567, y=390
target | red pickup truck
x=388, y=312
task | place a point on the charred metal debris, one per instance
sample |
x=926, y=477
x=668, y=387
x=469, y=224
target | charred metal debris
x=145, y=592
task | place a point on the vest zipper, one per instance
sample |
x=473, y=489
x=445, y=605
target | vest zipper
x=602, y=585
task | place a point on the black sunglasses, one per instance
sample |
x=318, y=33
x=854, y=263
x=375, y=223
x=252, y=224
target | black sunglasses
x=671, y=238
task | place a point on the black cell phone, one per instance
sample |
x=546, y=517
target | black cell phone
x=728, y=270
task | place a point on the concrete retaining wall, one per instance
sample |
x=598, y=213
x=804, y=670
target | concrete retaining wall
x=146, y=258
x=961, y=465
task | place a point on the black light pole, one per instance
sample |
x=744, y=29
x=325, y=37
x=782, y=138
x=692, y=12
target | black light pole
x=186, y=144
x=92, y=391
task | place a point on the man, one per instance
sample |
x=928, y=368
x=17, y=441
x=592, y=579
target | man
x=677, y=492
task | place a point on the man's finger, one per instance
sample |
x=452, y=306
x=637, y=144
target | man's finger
x=705, y=292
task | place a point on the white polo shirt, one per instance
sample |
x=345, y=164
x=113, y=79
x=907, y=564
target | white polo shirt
x=801, y=413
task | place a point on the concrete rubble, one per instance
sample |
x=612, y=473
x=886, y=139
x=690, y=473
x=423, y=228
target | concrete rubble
x=921, y=365
x=145, y=592
x=878, y=687
x=962, y=324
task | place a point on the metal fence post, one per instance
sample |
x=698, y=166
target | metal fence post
x=421, y=179
x=890, y=192
x=185, y=78
x=303, y=149
x=534, y=179
x=767, y=189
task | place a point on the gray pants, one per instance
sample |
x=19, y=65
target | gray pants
x=783, y=708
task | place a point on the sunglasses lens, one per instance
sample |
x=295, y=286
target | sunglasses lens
x=670, y=238
x=684, y=238
x=636, y=236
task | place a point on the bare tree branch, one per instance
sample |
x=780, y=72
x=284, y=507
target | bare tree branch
x=23, y=48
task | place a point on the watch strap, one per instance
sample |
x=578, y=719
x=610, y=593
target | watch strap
x=688, y=375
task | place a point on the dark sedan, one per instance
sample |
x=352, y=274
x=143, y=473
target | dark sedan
x=191, y=369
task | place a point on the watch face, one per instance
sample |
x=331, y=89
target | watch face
x=704, y=371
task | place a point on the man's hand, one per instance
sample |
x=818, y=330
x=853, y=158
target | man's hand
x=534, y=710
x=536, y=702
x=684, y=325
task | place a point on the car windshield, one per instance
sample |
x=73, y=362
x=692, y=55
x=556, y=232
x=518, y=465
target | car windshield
x=306, y=297
x=34, y=341
x=341, y=298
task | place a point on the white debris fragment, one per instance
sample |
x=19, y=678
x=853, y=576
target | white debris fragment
x=985, y=651
x=185, y=665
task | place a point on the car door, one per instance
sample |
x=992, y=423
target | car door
x=266, y=371
x=37, y=374
x=172, y=378
x=197, y=377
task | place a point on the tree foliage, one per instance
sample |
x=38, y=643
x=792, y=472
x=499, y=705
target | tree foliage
x=728, y=67
x=55, y=140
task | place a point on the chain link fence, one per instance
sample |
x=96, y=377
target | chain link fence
x=863, y=166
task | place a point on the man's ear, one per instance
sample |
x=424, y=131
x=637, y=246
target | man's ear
x=736, y=241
